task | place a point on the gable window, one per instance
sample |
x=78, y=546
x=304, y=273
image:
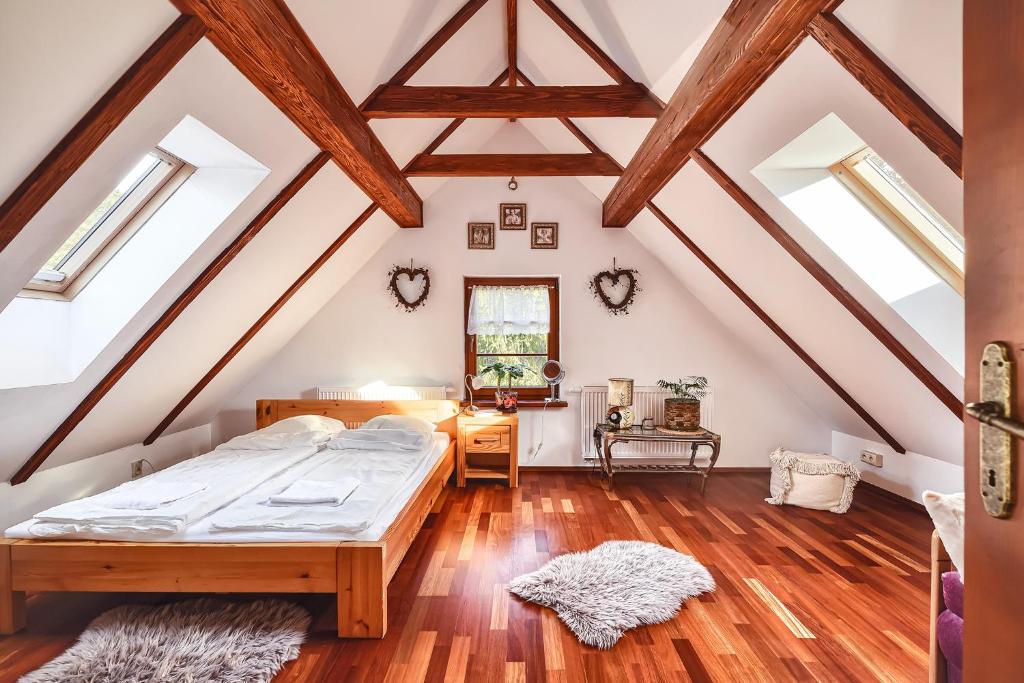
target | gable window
x=108, y=226
x=511, y=320
x=884, y=191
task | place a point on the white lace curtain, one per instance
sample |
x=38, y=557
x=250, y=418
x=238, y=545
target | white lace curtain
x=509, y=310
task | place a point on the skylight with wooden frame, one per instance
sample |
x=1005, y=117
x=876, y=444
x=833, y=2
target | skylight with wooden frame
x=891, y=198
x=124, y=210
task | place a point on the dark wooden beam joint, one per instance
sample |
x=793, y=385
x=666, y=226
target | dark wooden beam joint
x=264, y=41
x=752, y=39
x=501, y=102
x=891, y=91
x=497, y=165
x=100, y=121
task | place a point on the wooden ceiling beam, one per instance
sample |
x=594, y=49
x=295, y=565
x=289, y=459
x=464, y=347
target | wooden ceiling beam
x=592, y=49
x=501, y=102
x=92, y=129
x=825, y=279
x=436, y=42
x=748, y=44
x=511, y=32
x=430, y=48
x=575, y=130
x=263, y=39
x=496, y=165
x=277, y=305
x=188, y=296
x=260, y=323
x=171, y=314
x=891, y=91
x=599, y=56
x=763, y=316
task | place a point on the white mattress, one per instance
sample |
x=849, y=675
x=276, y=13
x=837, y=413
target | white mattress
x=201, y=532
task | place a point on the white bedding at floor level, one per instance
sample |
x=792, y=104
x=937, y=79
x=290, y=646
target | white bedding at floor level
x=200, y=532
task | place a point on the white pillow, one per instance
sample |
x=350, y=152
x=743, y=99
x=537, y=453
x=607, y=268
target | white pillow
x=408, y=423
x=261, y=441
x=304, y=423
x=947, y=512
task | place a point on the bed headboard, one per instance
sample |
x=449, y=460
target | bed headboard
x=354, y=413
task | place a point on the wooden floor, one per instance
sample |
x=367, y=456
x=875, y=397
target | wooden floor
x=802, y=595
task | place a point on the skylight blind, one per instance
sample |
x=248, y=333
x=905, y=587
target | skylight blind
x=509, y=310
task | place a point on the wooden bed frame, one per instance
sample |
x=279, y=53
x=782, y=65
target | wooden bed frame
x=357, y=572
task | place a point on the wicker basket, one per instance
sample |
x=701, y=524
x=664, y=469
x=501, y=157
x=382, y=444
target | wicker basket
x=682, y=414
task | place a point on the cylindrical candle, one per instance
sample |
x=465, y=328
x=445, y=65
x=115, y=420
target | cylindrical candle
x=620, y=391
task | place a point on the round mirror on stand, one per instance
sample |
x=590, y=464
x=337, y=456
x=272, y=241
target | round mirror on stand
x=553, y=373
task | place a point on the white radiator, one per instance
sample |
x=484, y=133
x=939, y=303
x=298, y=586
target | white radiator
x=647, y=402
x=379, y=391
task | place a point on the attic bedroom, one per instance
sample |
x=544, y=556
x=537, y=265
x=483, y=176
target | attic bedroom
x=462, y=340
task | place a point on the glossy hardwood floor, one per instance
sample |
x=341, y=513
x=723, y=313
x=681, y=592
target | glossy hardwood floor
x=802, y=595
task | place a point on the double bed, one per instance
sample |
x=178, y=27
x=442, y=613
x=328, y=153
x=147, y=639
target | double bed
x=355, y=565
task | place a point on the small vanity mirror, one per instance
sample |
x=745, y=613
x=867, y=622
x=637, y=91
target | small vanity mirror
x=553, y=373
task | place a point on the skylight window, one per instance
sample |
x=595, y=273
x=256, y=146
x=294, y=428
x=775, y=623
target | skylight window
x=107, y=227
x=884, y=191
x=867, y=214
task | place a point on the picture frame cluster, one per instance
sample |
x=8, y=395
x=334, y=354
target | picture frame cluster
x=481, y=235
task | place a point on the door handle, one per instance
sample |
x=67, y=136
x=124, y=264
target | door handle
x=993, y=411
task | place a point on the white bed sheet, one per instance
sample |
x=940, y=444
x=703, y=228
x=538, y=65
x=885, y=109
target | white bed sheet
x=201, y=532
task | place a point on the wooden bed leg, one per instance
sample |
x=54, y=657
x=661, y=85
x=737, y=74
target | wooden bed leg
x=362, y=591
x=12, y=602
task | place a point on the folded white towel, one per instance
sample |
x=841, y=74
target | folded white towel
x=380, y=440
x=151, y=495
x=309, y=492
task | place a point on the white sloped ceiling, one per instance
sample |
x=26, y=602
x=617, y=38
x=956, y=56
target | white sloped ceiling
x=62, y=68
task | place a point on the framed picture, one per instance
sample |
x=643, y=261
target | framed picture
x=513, y=217
x=481, y=236
x=544, y=236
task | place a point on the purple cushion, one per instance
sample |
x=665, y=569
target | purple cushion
x=953, y=593
x=950, y=634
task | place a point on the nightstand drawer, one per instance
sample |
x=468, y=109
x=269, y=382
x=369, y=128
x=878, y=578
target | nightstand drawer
x=487, y=439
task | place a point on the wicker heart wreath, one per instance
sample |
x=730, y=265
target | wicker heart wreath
x=412, y=274
x=611, y=278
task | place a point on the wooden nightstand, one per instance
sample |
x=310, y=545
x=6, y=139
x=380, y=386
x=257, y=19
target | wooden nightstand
x=488, y=448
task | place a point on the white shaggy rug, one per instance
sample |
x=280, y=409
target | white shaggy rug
x=196, y=641
x=602, y=593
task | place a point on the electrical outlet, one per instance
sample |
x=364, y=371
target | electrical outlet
x=870, y=458
x=136, y=469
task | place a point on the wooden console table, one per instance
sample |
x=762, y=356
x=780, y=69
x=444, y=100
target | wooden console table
x=605, y=437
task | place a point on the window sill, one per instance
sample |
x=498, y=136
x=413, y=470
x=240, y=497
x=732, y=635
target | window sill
x=524, y=404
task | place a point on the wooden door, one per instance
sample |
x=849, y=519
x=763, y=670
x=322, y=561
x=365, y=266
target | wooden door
x=994, y=227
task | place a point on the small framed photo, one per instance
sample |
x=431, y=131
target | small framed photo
x=481, y=236
x=513, y=217
x=544, y=236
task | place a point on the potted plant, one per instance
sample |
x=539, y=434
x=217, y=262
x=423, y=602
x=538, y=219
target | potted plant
x=682, y=412
x=505, y=400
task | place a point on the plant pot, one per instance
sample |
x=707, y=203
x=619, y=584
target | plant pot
x=506, y=401
x=682, y=414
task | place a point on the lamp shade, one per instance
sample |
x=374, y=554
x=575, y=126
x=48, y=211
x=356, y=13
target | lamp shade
x=620, y=391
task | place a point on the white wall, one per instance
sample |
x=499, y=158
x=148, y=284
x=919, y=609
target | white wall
x=361, y=337
x=90, y=476
x=909, y=474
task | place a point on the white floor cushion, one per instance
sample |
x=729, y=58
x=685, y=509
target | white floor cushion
x=811, y=480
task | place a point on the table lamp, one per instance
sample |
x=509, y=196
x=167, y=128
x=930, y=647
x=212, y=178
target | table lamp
x=620, y=402
x=473, y=382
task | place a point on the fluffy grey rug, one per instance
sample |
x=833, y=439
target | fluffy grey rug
x=198, y=640
x=602, y=593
